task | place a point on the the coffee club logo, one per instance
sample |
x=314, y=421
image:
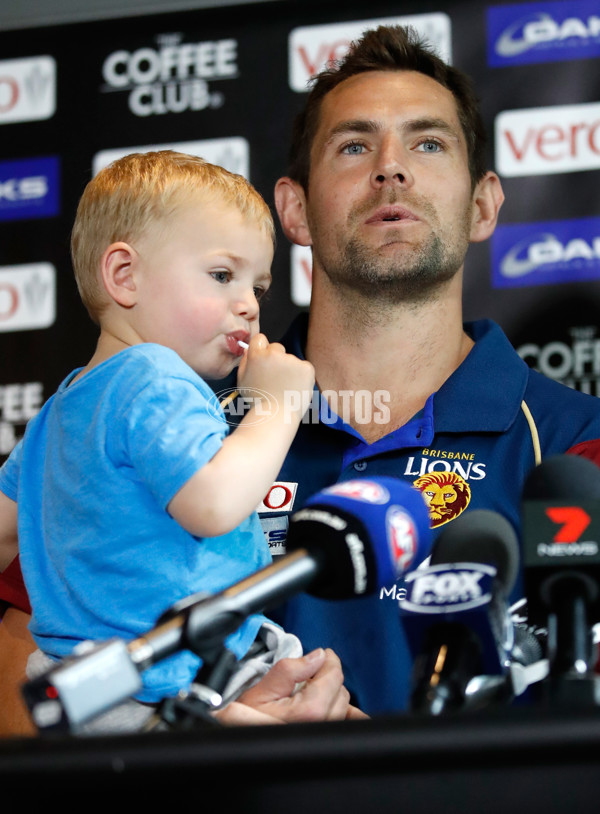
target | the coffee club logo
x=172, y=76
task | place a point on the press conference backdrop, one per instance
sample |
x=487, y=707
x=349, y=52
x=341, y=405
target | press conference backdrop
x=225, y=83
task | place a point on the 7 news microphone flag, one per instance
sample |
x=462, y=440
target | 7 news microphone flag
x=561, y=557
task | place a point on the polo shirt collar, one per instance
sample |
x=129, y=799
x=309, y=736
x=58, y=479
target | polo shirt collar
x=484, y=394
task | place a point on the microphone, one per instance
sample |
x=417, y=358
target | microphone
x=456, y=618
x=347, y=541
x=561, y=557
x=366, y=533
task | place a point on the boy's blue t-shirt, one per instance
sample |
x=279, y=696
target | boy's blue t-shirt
x=93, y=476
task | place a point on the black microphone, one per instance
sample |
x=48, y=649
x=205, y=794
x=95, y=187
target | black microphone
x=561, y=557
x=456, y=617
x=347, y=541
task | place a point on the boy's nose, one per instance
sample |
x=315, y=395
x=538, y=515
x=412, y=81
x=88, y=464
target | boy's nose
x=247, y=306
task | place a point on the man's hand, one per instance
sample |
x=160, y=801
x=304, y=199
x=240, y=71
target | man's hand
x=310, y=688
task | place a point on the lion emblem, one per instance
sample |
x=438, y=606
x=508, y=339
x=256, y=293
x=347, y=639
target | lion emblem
x=446, y=494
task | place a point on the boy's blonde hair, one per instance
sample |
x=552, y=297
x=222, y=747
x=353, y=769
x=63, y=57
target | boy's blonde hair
x=139, y=191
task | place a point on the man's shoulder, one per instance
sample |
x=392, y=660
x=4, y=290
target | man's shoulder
x=557, y=396
x=567, y=420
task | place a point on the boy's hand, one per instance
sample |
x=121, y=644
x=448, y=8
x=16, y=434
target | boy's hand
x=268, y=368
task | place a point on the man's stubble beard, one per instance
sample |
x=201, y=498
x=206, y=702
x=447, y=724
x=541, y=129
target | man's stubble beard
x=417, y=274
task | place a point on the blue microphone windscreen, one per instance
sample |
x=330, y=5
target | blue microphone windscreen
x=394, y=515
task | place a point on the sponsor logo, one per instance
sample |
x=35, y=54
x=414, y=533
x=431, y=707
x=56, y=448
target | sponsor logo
x=575, y=363
x=446, y=494
x=313, y=48
x=440, y=588
x=171, y=76
x=402, y=538
x=231, y=153
x=365, y=490
x=546, y=253
x=29, y=189
x=18, y=403
x=27, y=297
x=548, y=140
x=543, y=32
x=279, y=498
x=27, y=89
x=275, y=529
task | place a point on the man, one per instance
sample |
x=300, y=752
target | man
x=388, y=186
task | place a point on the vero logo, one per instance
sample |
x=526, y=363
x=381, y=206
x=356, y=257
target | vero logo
x=540, y=141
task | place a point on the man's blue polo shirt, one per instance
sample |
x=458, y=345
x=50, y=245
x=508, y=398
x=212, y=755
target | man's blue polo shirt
x=473, y=444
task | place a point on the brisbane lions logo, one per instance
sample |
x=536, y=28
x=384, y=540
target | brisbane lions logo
x=446, y=494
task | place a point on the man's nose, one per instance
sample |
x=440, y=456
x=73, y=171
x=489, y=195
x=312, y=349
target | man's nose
x=392, y=165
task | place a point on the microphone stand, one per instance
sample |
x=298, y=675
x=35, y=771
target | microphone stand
x=193, y=708
x=571, y=681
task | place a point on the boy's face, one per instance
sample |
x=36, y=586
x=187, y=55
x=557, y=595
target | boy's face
x=199, y=282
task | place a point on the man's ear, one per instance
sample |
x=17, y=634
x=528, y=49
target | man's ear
x=290, y=202
x=118, y=266
x=488, y=197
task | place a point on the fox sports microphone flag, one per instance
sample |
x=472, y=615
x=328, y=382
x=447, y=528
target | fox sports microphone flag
x=367, y=532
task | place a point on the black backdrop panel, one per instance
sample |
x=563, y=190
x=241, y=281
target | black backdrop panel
x=229, y=79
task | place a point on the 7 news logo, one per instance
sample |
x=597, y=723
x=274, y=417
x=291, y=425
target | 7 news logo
x=567, y=532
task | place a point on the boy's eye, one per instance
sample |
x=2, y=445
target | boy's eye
x=221, y=276
x=259, y=292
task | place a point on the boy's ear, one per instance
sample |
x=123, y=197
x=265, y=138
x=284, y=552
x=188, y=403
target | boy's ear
x=290, y=202
x=118, y=267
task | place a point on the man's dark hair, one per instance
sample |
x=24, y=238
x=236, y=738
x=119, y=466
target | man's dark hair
x=389, y=48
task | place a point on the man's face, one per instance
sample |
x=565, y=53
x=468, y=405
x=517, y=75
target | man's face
x=389, y=203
